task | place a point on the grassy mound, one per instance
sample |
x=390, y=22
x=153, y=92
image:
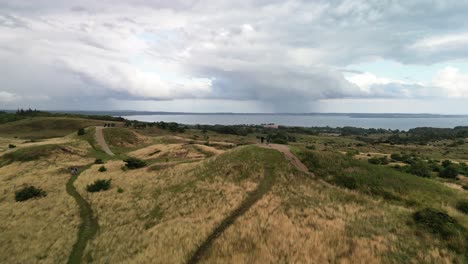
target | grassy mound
x=45, y=127
x=442, y=225
x=28, y=154
x=123, y=140
x=371, y=179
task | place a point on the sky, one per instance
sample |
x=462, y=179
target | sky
x=235, y=56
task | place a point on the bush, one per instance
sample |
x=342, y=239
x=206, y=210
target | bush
x=419, y=168
x=446, y=163
x=451, y=171
x=29, y=192
x=462, y=206
x=102, y=169
x=11, y=146
x=120, y=190
x=81, y=132
x=134, y=163
x=99, y=185
x=98, y=161
x=312, y=147
x=441, y=224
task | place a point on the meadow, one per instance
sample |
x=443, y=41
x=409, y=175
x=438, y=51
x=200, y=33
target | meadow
x=198, y=195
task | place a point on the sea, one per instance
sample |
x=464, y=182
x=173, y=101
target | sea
x=386, y=121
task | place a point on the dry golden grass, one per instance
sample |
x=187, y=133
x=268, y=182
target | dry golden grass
x=160, y=217
x=303, y=221
x=39, y=230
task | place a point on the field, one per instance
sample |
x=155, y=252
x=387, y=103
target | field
x=201, y=196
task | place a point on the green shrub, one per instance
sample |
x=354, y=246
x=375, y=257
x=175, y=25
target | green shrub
x=98, y=161
x=120, y=190
x=81, y=132
x=451, y=171
x=312, y=147
x=441, y=224
x=99, y=185
x=419, y=168
x=29, y=192
x=11, y=146
x=462, y=206
x=102, y=169
x=446, y=163
x=134, y=163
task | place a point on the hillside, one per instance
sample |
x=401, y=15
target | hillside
x=45, y=127
x=188, y=195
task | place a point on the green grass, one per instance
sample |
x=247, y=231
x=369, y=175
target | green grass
x=377, y=180
x=45, y=127
x=28, y=154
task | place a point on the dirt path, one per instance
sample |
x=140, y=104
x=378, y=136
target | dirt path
x=263, y=187
x=289, y=156
x=102, y=142
x=89, y=224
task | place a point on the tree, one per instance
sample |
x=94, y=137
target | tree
x=420, y=168
x=81, y=132
x=451, y=171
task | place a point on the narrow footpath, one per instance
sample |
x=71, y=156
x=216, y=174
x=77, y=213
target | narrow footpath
x=89, y=224
x=101, y=141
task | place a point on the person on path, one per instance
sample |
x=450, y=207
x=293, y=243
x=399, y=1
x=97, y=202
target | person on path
x=262, y=139
x=268, y=139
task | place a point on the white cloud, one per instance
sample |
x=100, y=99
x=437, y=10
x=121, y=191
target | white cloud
x=6, y=97
x=452, y=81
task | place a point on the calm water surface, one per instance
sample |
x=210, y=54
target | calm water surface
x=307, y=120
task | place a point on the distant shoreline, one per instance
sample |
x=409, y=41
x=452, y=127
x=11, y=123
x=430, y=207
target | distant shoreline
x=353, y=115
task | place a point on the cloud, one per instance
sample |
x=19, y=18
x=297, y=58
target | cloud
x=6, y=97
x=452, y=82
x=288, y=52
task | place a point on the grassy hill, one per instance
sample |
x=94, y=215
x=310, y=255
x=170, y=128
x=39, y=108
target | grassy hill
x=200, y=197
x=45, y=127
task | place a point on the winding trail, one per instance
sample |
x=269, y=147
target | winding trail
x=263, y=187
x=89, y=224
x=289, y=156
x=101, y=141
